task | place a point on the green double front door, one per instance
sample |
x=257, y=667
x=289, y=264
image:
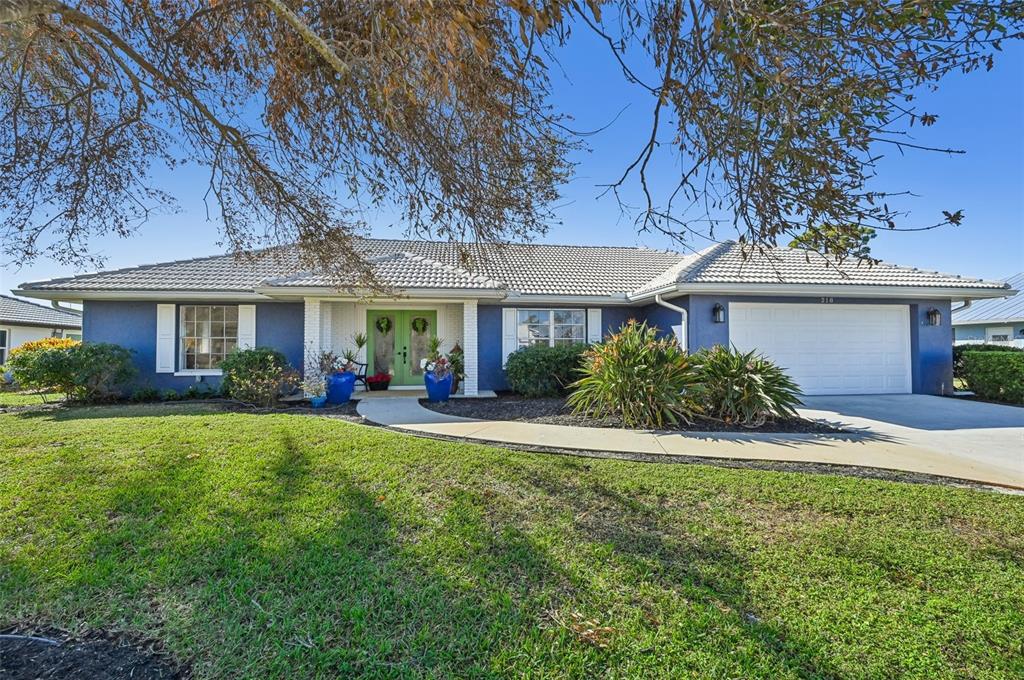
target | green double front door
x=399, y=340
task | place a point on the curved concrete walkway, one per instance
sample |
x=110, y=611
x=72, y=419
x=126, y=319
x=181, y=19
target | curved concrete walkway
x=865, y=447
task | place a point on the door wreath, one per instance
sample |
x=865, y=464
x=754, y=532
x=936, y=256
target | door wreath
x=383, y=324
x=419, y=324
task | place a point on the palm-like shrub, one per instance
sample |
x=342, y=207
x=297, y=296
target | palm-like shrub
x=644, y=380
x=744, y=388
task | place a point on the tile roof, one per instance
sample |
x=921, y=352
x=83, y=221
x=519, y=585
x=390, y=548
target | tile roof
x=524, y=268
x=1008, y=309
x=527, y=269
x=734, y=263
x=401, y=270
x=21, y=313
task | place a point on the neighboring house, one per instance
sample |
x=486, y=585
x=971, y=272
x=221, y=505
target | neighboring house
x=855, y=329
x=999, y=321
x=22, y=322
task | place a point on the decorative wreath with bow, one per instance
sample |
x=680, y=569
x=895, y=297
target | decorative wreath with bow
x=419, y=324
x=383, y=324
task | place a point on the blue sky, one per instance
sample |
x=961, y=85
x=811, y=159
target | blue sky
x=982, y=113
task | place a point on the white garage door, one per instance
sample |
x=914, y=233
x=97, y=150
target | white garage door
x=830, y=348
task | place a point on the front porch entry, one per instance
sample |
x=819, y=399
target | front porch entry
x=398, y=342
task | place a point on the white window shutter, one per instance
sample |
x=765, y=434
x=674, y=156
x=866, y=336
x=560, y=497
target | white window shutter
x=594, y=329
x=247, y=326
x=165, y=338
x=508, y=333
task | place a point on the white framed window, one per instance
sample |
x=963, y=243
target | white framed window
x=208, y=333
x=4, y=345
x=551, y=326
x=999, y=334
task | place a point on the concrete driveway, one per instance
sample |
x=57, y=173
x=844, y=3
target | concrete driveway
x=958, y=429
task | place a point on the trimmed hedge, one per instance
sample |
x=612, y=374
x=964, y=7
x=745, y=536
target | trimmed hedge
x=543, y=371
x=959, y=350
x=998, y=376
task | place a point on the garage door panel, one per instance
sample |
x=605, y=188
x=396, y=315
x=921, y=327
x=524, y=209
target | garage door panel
x=830, y=349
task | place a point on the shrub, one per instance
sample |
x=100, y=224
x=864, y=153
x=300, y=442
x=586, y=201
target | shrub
x=100, y=370
x=743, y=388
x=144, y=394
x=998, y=376
x=43, y=344
x=84, y=372
x=170, y=395
x=637, y=376
x=959, y=350
x=543, y=371
x=257, y=376
x=28, y=367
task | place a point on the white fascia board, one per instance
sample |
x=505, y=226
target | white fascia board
x=988, y=322
x=599, y=300
x=832, y=290
x=140, y=295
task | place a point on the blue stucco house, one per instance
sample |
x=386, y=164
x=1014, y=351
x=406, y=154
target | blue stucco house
x=997, y=321
x=851, y=328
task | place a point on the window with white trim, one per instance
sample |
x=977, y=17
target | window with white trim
x=551, y=326
x=4, y=335
x=208, y=334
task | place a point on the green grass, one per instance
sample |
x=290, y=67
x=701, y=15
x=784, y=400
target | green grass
x=13, y=398
x=289, y=546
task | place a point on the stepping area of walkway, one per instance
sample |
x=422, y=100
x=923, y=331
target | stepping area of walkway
x=866, y=446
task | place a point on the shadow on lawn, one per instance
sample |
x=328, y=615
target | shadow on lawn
x=296, y=564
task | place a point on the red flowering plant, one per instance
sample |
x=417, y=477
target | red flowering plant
x=379, y=378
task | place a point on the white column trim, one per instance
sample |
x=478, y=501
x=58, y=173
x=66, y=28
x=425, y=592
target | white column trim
x=312, y=342
x=469, y=348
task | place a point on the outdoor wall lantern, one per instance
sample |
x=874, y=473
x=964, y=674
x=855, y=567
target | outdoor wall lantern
x=718, y=313
x=934, y=317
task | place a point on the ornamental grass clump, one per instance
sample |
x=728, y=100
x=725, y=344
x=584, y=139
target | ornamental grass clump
x=744, y=388
x=634, y=375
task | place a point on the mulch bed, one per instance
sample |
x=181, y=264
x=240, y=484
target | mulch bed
x=29, y=654
x=554, y=411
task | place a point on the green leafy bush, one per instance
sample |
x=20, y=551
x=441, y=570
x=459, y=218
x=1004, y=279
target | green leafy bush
x=81, y=371
x=543, y=371
x=144, y=394
x=638, y=377
x=257, y=376
x=743, y=387
x=959, y=350
x=998, y=376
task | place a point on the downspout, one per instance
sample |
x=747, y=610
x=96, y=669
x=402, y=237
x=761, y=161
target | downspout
x=965, y=305
x=684, y=339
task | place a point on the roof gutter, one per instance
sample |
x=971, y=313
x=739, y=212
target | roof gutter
x=682, y=336
x=965, y=305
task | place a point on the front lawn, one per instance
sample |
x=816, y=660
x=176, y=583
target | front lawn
x=292, y=546
x=18, y=398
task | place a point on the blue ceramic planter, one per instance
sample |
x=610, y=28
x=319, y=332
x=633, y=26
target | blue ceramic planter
x=340, y=386
x=438, y=389
x=318, y=402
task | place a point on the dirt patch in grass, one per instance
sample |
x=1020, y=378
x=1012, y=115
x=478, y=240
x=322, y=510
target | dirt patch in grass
x=30, y=654
x=554, y=411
